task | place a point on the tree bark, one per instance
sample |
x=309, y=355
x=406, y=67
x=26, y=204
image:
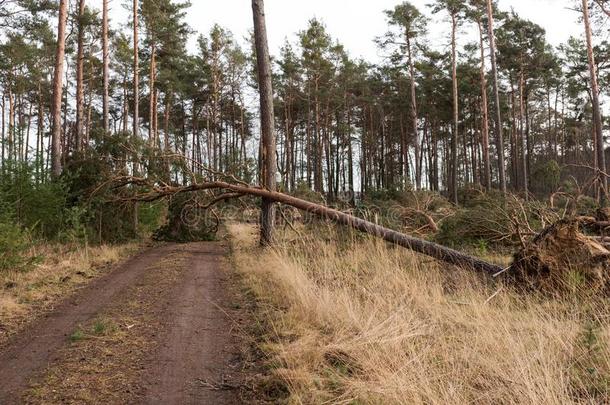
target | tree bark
x=484, y=114
x=454, y=138
x=268, y=160
x=498, y=120
x=58, y=89
x=597, y=117
x=80, y=91
x=106, y=66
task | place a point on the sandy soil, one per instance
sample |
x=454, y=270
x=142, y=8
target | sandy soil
x=163, y=328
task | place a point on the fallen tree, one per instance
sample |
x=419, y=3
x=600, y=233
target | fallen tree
x=231, y=190
x=555, y=253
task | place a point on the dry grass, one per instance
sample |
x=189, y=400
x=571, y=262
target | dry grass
x=363, y=323
x=60, y=270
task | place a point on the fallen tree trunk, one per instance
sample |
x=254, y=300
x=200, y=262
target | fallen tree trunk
x=434, y=250
x=570, y=249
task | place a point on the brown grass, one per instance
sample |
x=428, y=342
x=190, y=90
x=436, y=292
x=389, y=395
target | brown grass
x=61, y=269
x=359, y=322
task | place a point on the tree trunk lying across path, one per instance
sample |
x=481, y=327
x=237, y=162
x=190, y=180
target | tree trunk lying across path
x=436, y=251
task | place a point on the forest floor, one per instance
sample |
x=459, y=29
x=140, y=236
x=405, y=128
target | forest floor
x=166, y=326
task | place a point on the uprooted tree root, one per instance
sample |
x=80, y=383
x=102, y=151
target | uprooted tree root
x=563, y=258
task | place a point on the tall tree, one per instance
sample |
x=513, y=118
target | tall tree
x=58, y=89
x=106, y=67
x=455, y=9
x=268, y=149
x=476, y=13
x=498, y=108
x=413, y=24
x=316, y=45
x=597, y=117
x=136, y=73
x=80, y=90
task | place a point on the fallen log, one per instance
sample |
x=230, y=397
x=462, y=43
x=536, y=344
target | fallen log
x=434, y=250
x=548, y=262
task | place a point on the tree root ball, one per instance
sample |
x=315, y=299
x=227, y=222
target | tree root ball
x=563, y=258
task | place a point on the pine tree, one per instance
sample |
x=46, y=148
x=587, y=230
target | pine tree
x=413, y=24
x=268, y=163
x=58, y=89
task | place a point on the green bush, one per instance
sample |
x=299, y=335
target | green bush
x=14, y=245
x=150, y=216
x=492, y=220
x=186, y=222
x=33, y=204
x=101, y=219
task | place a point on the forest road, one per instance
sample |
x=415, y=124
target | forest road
x=181, y=346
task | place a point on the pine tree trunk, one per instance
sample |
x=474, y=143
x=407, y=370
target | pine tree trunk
x=39, y=136
x=4, y=134
x=26, y=144
x=498, y=111
x=136, y=76
x=166, y=123
x=268, y=164
x=80, y=62
x=151, y=112
x=11, y=128
x=422, y=246
x=125, y=120
x=58, y=89
x=454, y=138
x=524, y=174
x=106, y=66
x=413, y=111
x=597, y=117
x=484, y=115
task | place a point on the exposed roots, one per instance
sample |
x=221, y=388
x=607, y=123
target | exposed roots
x=563, y=258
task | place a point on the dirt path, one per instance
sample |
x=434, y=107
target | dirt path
x=197, y=362
x=158, y=329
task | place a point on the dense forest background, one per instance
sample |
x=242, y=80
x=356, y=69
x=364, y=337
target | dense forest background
x=514, y=114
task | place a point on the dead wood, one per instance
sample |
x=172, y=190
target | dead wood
x=549, y=260
x=439, y=252
x=563, y=257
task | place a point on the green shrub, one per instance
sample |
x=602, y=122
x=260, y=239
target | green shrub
x=186, y=222
x=150, y=215
x=99, y=219
x=493, y=220
x=35, y=205
x=14, y=245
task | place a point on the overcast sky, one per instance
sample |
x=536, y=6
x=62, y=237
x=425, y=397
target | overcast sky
x=355, y=23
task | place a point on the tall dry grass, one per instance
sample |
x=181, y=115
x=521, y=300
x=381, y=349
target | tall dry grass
x=359, y=322
x=59, y=271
